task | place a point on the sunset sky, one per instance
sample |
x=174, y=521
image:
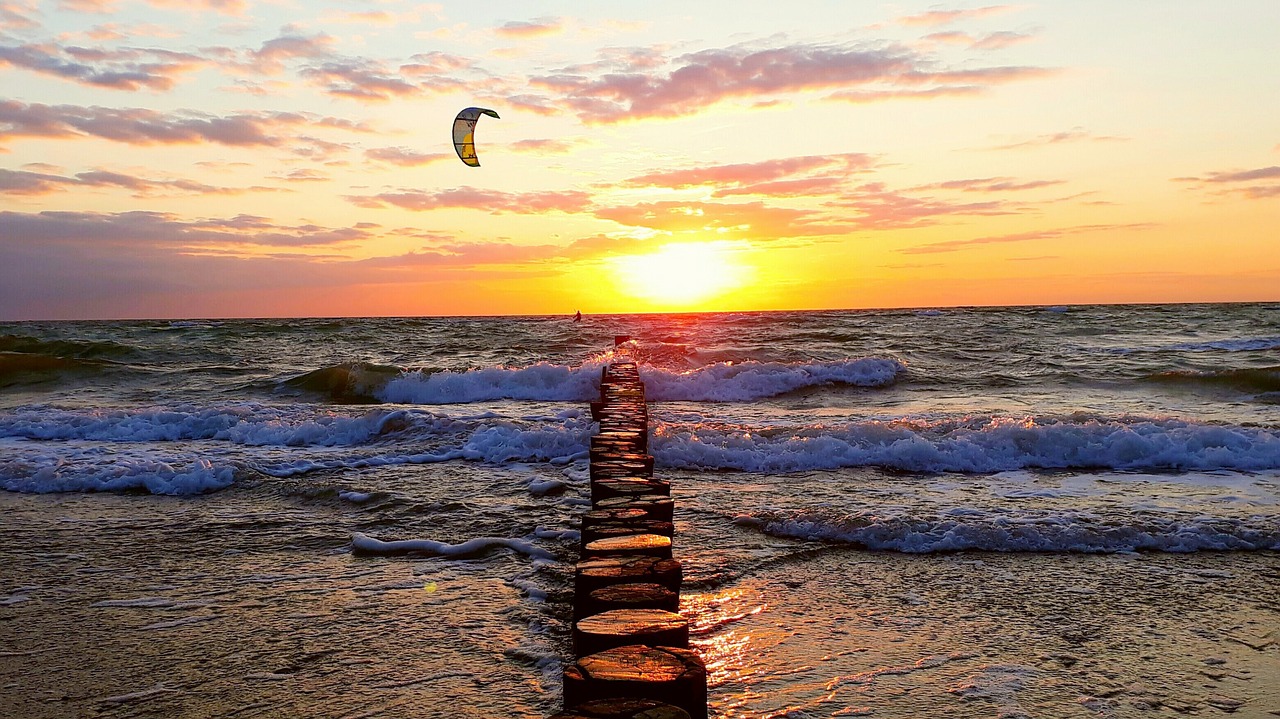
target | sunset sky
x=227, y=158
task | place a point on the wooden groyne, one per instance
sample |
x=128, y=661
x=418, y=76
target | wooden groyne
x=632, y=648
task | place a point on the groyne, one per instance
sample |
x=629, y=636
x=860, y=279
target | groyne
x=631, y=646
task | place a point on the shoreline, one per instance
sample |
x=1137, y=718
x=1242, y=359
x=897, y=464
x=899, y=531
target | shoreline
x=248, y=603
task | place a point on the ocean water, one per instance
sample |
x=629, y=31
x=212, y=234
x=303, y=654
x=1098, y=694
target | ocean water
x=839, y=475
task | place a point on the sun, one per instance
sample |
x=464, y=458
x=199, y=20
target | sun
x=682, y=275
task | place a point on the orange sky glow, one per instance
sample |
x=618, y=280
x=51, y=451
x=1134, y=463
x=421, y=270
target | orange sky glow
x=228, y=158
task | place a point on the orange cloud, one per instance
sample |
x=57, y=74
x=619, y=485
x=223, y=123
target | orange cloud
x=625, y=91
x=946, y=17
x=403, y=156
x=492, y=201
x=530, y=29
x=1234, y=179
x=1047, y=234
x=37, y=183
x=117, y=69
x=1057, y=138
x=140, y=126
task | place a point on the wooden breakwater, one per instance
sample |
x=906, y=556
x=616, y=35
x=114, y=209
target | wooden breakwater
x=632, y=648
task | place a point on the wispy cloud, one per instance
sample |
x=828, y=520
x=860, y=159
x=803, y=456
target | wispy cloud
x=19, y=15
x=880, y=207
x=545, y=146
x=1077, y=134
x=750, y=173
x=946, y=17
x=1263, y=183
x=161, y=229
x=403, y=156
x=627, y=91
x=492, y=201
x=22, y=182
x=226, y=7
x=991, y=41
x=523, y=30
x=140, y=126
x=990, y=184
x=751, y=220
x=1046, y=234
x=117, y=69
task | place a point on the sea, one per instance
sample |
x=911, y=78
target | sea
x=985, y=512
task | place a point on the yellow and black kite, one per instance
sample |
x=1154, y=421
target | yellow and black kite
x=464, y=133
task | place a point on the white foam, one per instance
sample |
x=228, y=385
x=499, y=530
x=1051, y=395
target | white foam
x=470, y=548
x=971, y=444
x=541, y=381
x=84, y=470
x=244, y=423
x=746, y=381
x=1018, y=530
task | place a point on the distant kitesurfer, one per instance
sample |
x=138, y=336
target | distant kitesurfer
x=578, y=317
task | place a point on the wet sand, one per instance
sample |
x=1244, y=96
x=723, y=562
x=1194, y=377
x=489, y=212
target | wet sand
x=248, y=603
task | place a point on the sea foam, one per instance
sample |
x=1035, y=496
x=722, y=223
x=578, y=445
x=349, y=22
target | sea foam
x=1018, y=530
x=971, y=444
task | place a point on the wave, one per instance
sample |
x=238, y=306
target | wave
x=970, y=529
x=747, y=381
x=543, y=381
x=972, y=445
x=1258, y=379
x=721, y=382
x=1243, y=344
x=246, y=423
x=18, y=368
x=79, y=349
x=180, y=452
x=349, y=383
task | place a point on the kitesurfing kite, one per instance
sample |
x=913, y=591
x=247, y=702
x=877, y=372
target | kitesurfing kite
x=464, y=133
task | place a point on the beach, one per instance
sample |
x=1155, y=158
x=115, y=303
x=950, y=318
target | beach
x=126, y=609
x=948, y=512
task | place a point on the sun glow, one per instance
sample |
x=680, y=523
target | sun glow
x=681, y=275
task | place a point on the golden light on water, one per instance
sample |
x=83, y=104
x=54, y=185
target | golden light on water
x=681, y=276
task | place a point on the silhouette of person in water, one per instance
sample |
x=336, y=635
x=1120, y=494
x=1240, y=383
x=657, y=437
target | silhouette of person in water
x=578, y=317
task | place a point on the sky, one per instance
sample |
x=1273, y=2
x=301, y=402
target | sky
x=229, y=158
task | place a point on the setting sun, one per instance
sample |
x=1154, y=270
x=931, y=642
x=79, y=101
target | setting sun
x=681, y=275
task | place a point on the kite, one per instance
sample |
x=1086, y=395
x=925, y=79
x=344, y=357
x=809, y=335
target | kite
x=464, y=129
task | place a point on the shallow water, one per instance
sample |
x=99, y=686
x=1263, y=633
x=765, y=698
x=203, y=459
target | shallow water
x=960, y=512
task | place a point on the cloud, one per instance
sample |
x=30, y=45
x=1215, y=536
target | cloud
x=991, y=41
x=990, y=184
x=1057, y=138
x=541, y=27
x=359, y=79
x=404, y=157
x=226, y=7
x=160, y=229
x=18, y=15
x=1047, y=234
x=882, y=208
x=269, y=59
x=545, y=146
x=946, y=17
x=140, y=126
x=748, y=220
x=1231, y=179
x=626, y=91
x=116, y=69
x=88, y=6
x=38, y=183
x=492, y=201
x=79, y=264
x=751, y=173
x=1263, y=173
